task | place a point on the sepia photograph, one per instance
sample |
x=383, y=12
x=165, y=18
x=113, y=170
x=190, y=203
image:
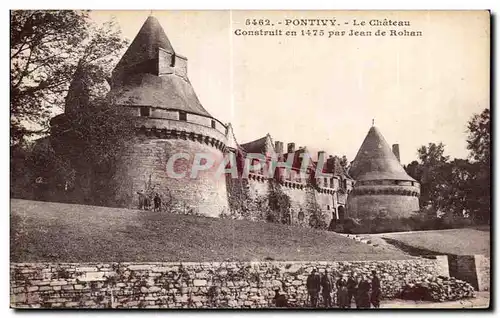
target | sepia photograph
x=250, y=159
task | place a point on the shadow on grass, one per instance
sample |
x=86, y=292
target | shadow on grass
x=412, y=250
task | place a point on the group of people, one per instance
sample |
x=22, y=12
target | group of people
x=145, y=201
x=365, y=292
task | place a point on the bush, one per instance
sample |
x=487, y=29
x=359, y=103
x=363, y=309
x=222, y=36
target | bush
x=438, y=289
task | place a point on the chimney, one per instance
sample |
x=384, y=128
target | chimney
x=322, y=153
x=278, y=146
x=395, y=151
x=330, y=164
x=291, y=147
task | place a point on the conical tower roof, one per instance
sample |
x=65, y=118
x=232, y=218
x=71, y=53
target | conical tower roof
x=376, y=161
x=152, y=74
x=145, y=45
x=78, y=95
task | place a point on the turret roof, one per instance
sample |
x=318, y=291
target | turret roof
x=262, y=145
x=136, y=79
x=376, y=161
x=145, y=45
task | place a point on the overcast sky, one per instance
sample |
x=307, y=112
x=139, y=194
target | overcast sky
x=324, y=92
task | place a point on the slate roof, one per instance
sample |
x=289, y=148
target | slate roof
x=168, y=92
x=145, y=45
x=261, y=145
x=376, y=161
x=136, y=79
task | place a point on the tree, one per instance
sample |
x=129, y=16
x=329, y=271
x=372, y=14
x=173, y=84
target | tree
x=460, y=187
x=279, y=204
x=479, y=144
x=433, y=175
x=478, y=141
x=93, y=139
x=46, y=48
x=344, y=162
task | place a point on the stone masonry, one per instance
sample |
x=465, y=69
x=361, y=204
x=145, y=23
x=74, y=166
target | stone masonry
x=191, y=285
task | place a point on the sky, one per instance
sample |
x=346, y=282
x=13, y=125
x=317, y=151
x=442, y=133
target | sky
x=323, y=92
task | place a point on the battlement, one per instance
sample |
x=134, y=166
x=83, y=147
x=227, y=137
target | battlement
x=157, y=114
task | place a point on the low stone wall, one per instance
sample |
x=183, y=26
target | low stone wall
x=474, y=269
x=190, y=285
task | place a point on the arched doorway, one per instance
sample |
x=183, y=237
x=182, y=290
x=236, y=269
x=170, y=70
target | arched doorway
x=341, y=213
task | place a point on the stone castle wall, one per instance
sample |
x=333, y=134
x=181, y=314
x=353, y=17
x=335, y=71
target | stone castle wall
x=301, y=199
x=388, y=205
x=190, y=285
x=144, y=167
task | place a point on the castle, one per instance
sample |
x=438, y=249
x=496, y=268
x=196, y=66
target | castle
x=150, y=82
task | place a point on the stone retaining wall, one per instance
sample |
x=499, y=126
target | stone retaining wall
x=189, y=285
x=474, y=269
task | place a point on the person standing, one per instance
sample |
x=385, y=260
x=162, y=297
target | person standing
x=313, y=285
x=363, y=293
x=142, y=198
x=342, y=292
x=280, y=300
x=327, y=284
x=157, y=202
x=376, y=293
x=351, y=289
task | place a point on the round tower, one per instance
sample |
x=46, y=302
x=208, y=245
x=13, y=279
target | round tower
x=150, y=82
x=382, y=188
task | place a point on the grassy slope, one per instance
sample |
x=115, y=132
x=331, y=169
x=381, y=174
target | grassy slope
x=456, y=241
x=52, y=232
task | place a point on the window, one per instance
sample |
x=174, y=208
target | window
x=213, y=124
x=145, y=111
x=182, y=116
x=328, y=207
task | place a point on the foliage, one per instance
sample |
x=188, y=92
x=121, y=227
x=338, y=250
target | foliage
x=238, y=199
x=37, y=172
x=478, y=141
x=317, y=219
x=274, y=207
x=461, y=187
x=279, y=204
x=46, y=47
x=93, y=140
x=344, y=162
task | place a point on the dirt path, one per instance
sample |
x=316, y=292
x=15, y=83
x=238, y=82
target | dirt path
x=482, y=300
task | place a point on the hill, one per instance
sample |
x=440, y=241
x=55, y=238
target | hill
x=466, y=241
x=57, y=232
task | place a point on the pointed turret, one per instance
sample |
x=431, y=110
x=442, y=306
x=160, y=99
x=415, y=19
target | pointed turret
x=376, y=161
x=78, y=96
x=152, y=74
x=383, y=189
x=145, y=46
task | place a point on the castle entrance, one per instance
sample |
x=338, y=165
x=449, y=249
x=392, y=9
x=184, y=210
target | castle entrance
x=341, y=213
